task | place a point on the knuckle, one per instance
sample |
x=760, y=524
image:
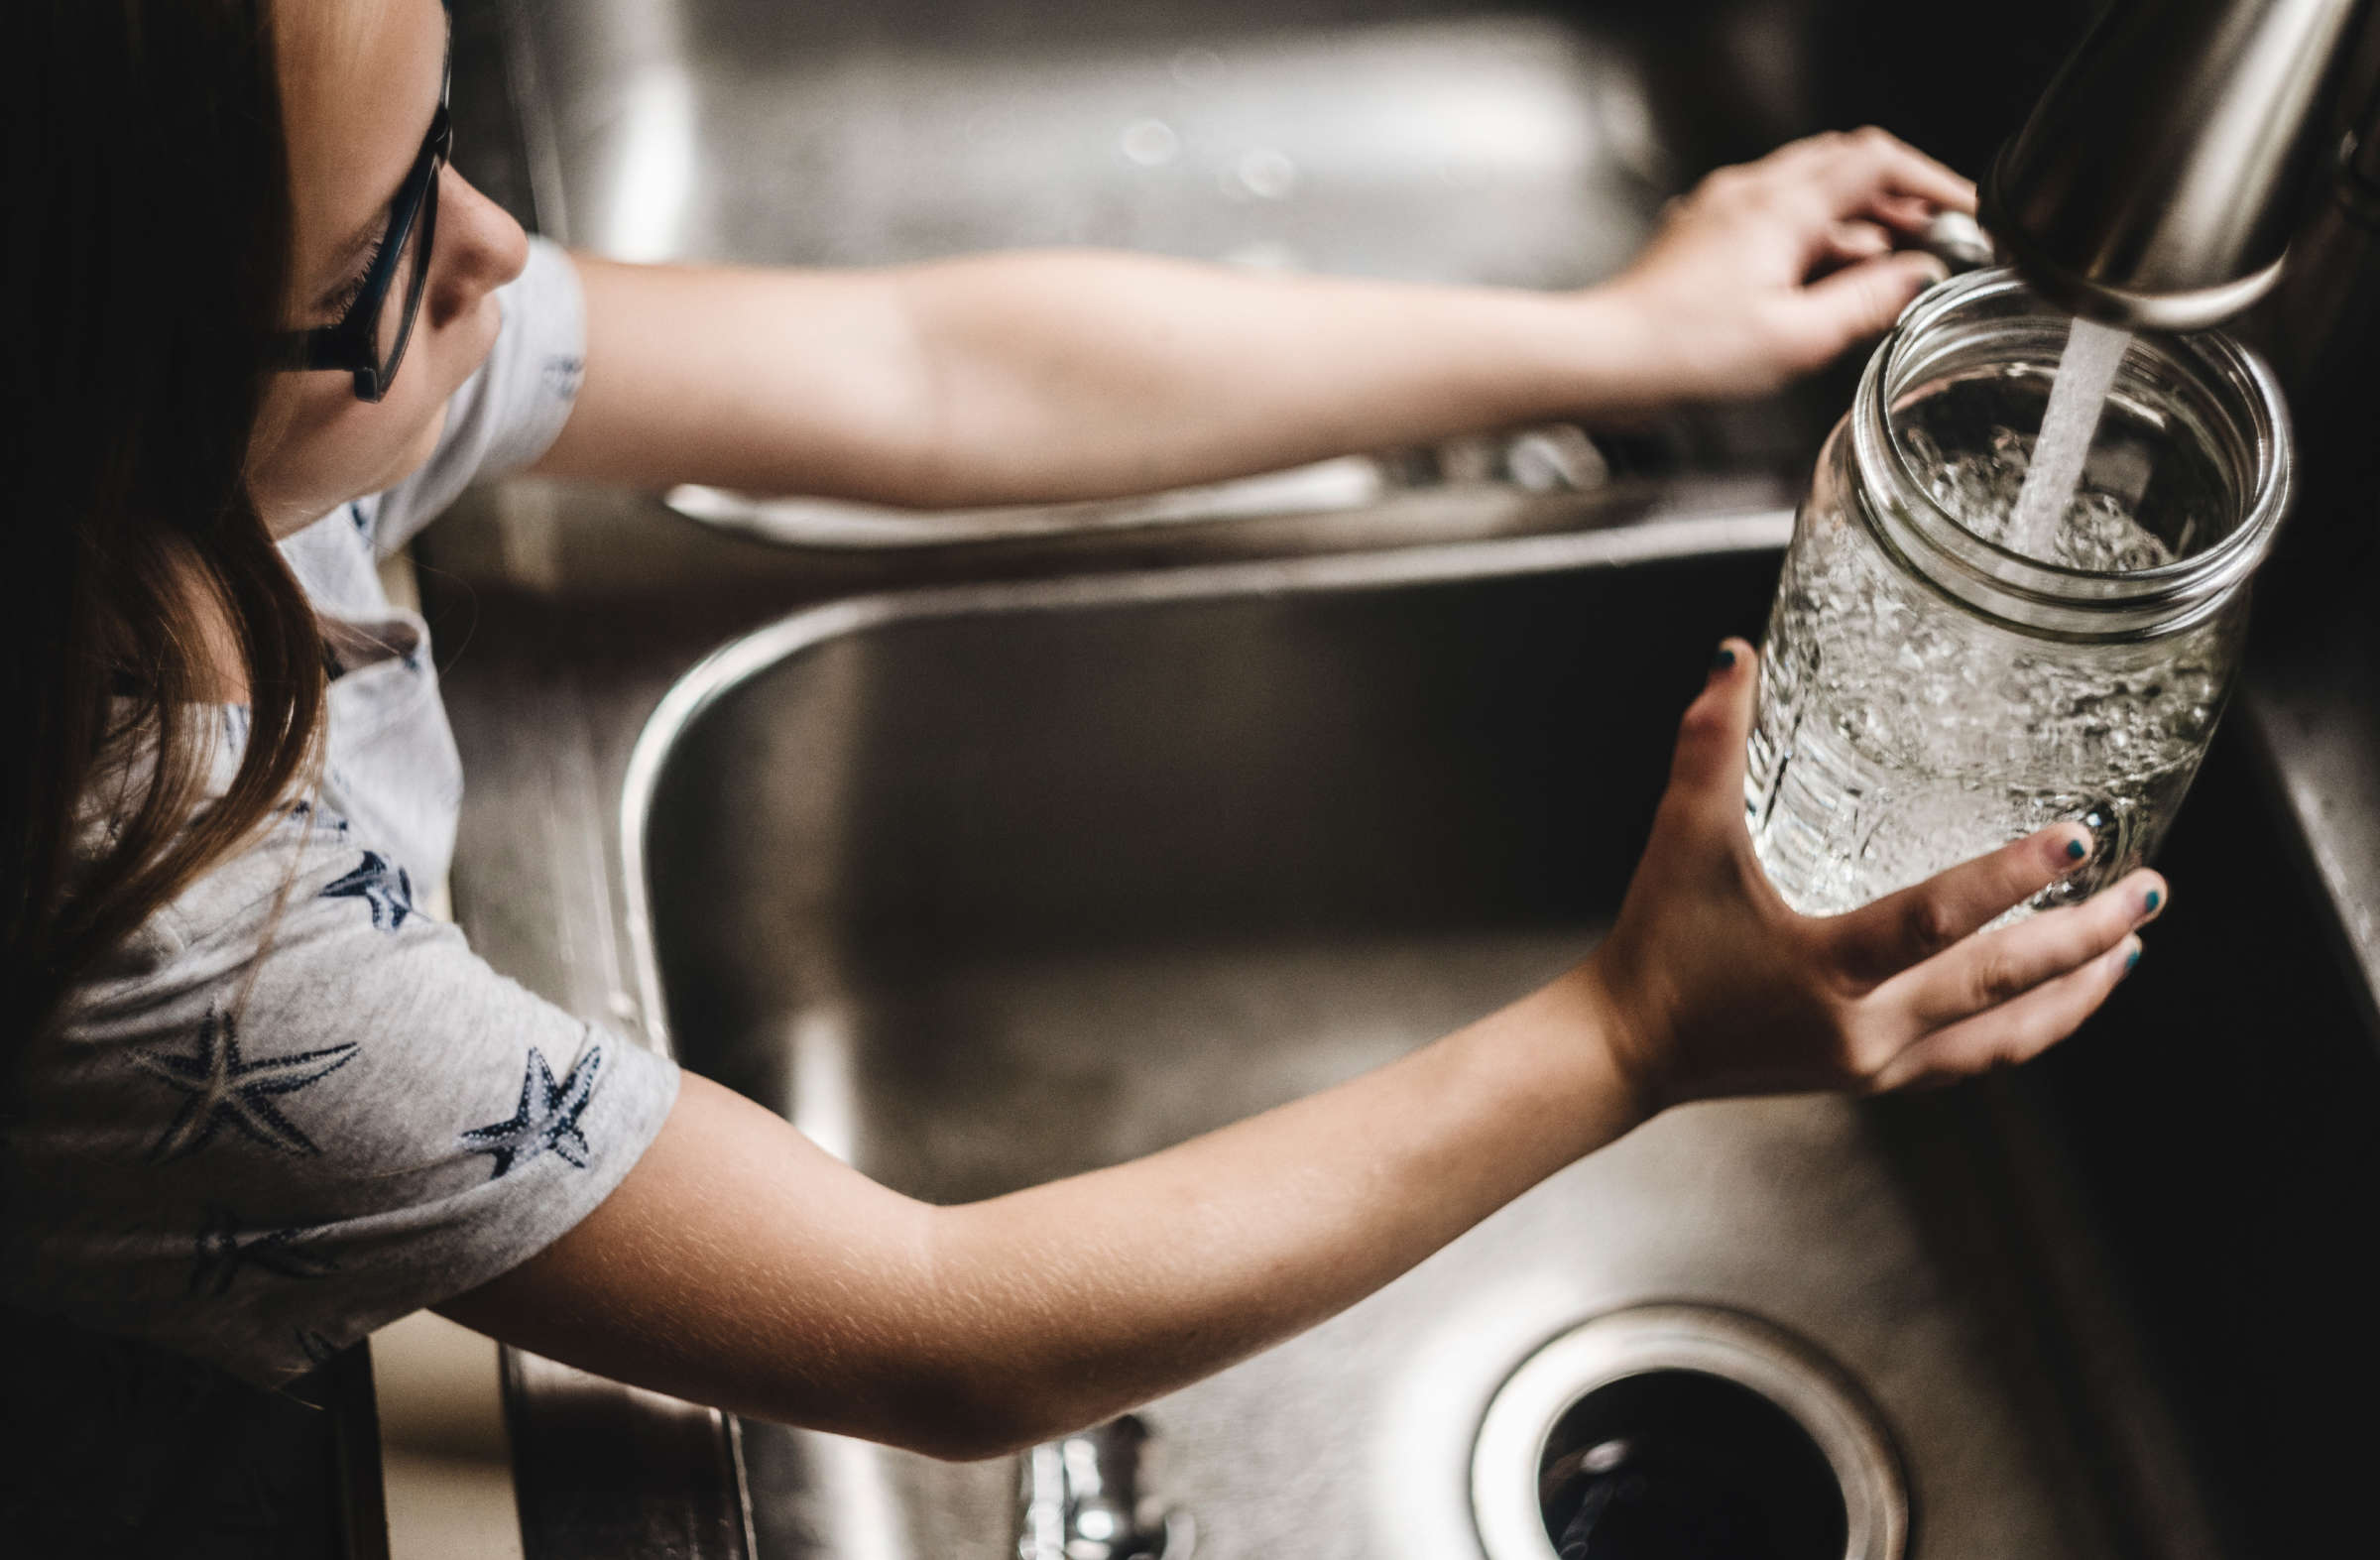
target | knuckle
x=1996, y=980
x=1927, y=928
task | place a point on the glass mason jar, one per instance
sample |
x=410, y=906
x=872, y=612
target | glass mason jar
x=1928, y=694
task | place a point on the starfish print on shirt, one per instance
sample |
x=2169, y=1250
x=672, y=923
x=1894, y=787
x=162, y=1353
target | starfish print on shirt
x=314, y=817
x=382, y=885
x=226, y=1247
x=224, y=1087
x=547, y=1118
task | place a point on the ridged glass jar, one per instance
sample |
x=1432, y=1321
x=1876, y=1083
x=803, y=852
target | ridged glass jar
x=1928, y=694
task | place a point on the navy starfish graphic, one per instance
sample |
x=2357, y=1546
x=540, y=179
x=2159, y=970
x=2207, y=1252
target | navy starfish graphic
x=547, y=1116
x=225, y=1087
x=380, y=884
x=226, y=1247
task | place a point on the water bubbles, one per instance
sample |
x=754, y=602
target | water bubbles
x=1898, y=736
x=1149, y=142
x=1982, y=491
x=1267, y=173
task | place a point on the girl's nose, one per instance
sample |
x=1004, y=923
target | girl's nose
x=479, y=249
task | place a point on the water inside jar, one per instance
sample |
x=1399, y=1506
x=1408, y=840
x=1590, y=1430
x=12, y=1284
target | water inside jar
x=2149, y=493
x=1899, y=733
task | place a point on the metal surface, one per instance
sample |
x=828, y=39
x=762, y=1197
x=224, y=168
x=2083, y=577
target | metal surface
x=1555, y=458
x=988, y=885
x=1956, y=1252
x=2320, y=327
x=1958, y=241
x=1943, y=1248
x=619, y=1473
x=1059, y=873
x=1080, y=1499
x=1424, y=140
x=1310, y=136
x=1829, y=1406
x=2158, y=180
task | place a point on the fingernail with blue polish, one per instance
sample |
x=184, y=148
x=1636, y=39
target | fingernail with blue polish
x=2154, y=899
x=2075, y=850
x=1724, y=659
x=2131, y=959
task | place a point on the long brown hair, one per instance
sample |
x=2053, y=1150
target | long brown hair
x=144, y=271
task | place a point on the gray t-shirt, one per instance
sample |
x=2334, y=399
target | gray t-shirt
x=295, y=1107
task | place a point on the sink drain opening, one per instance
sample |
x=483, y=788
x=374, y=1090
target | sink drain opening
x=1678, y=1463
x=1681, y=1430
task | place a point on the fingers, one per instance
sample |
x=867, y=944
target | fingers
x=1847, y=243
x=1864, y=300
x=1858, y=171
x=1880, y=940
x=2017, y=1032
x=1903, y=213
x=1984, y=972
x=1708, y=770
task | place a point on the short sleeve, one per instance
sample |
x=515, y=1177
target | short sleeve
x=511, y=410
x=257, y=1146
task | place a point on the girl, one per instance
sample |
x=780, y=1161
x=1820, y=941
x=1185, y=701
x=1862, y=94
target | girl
x=259, y=331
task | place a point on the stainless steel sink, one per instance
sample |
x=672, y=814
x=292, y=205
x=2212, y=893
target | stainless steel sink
x=988, y=883
x=1529, y=145
x=983, y=882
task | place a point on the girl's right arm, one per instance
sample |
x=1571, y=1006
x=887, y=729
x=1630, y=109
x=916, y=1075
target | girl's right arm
x=740, y=1264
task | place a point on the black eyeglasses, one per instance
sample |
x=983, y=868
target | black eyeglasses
x=369, y=338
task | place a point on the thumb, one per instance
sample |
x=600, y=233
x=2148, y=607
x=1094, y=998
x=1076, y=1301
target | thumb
x=1862, y=300
x=1707, y=772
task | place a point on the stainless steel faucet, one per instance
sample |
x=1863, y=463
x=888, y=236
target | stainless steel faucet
x=2159, y=180
x=2197, y=161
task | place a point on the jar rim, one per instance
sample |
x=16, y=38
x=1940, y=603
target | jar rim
x=2042, y=597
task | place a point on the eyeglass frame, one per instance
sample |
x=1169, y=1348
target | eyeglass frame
x=353, y=343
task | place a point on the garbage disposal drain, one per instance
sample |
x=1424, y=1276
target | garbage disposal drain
x=1687, y=1432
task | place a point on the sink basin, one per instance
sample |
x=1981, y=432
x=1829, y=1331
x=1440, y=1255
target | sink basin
x=1439, y=141
x=986, y=885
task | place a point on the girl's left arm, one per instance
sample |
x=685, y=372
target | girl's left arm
x=1065, y=375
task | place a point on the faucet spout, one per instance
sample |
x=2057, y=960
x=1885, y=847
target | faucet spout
x=2159, y=180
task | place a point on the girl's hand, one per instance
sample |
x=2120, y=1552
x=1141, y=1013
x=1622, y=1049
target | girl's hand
x=1716, y=987
x=1770, y=270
